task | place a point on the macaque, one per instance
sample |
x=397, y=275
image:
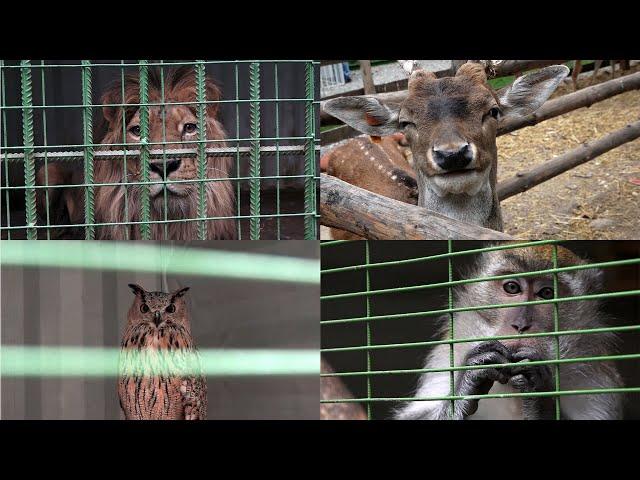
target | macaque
x=529, y=319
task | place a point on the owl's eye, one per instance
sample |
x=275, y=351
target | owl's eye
x=144, y=308
x=170, y=309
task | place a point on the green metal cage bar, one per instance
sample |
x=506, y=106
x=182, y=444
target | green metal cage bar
x=29, y=163
x=143, y=257
x=31, y=154
x=254, y=163
x=367, y=266
x=87, y=134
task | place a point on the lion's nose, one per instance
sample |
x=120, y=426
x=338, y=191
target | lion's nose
x=171, y=166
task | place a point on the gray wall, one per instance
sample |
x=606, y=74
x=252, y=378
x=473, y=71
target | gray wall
x=52, y=306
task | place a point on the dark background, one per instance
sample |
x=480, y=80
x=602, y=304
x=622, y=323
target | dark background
x=626, y=310
x=64, y=125
x=52, y=306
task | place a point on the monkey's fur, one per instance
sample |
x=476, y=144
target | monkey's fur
x=572, y=315
x=159, y=367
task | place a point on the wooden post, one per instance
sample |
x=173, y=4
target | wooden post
x=367, y=77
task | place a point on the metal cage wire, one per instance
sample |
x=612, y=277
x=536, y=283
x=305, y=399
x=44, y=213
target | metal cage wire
x=250, y=149
x=370, y=320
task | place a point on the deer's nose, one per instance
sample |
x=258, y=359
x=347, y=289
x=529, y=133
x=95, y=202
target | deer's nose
x=159, y=168
x=453, y=157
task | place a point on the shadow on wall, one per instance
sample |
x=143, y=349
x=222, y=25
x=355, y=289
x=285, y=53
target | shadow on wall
x=63, y=307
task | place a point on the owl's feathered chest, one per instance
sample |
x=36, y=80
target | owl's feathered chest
x=153, y=363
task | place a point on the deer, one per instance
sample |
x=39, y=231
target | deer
x=577, y=68
x=450, y=125
x=381, y=165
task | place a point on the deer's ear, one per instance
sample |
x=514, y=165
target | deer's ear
x=528, y=92
x=365, y=113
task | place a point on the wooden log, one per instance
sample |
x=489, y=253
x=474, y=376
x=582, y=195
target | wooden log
x=376, y=217
x=572, y=101
x=567, y=161
x=511, y=67
x=367, y=77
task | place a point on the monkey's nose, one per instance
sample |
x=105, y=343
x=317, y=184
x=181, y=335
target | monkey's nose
x=156, y=318
x=521, y=327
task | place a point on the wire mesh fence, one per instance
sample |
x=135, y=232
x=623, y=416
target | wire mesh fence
x=159, y=149
x=385, y=306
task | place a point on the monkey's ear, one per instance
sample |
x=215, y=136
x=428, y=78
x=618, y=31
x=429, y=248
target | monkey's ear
x=137, y=290
x=180, y=292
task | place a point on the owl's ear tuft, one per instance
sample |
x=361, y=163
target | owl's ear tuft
x=136, y=289
x=180, y=292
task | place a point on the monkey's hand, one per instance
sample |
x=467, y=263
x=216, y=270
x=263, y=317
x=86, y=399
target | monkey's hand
x=479, y=381
x=529, y=379
x=194, y=398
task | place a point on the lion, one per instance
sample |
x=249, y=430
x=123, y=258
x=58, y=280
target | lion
x=181, y=125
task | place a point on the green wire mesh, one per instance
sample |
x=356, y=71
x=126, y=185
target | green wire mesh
x=388, y=316
x=264, y=218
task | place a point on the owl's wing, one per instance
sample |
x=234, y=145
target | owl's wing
x=194, y=394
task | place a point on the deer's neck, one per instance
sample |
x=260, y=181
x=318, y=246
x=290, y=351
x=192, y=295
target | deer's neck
x=482, y=209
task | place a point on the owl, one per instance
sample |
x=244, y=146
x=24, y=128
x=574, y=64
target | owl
x=159, y=368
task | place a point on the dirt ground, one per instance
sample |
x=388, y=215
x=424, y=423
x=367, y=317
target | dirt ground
x=597, y=200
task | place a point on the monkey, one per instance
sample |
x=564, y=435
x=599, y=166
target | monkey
x=520, y=377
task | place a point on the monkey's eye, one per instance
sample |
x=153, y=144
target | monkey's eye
x=134, y=130
x=144, y=308
x=189, y=128
x=170, y=309
x=512, y=288
x=546, y=293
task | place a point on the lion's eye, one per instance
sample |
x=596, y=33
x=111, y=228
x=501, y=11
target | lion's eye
x=170, y=309
x=190, y=128
x=144, y=308
x=135, y=130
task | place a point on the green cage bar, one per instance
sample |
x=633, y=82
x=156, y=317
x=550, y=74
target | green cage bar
x=87, y=135
x=368, y=348
x=145, y=229
x=310, y=158
x=202, y=159
x=254, y=162
x=28, y=142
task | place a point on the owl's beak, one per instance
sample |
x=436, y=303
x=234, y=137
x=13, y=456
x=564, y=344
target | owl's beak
x=156, y=318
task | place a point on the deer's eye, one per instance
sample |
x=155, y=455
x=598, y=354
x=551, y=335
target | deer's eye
x=495, y=112
x=190, y=128
x=134, y=130
x=144, y=308
x=405, y=124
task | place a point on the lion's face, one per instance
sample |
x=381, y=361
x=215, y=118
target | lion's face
x=180, y=125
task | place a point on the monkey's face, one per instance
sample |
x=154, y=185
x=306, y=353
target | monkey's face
x=524, y=318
